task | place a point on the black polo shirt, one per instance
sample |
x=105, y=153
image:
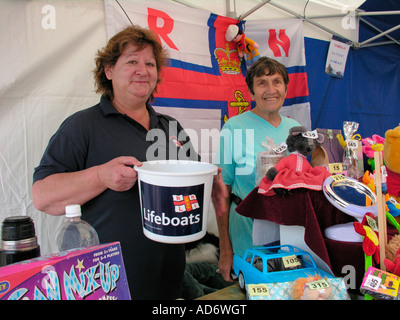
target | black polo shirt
x=96, y=135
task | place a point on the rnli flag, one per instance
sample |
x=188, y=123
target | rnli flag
x=185, y=203
x=204, y=84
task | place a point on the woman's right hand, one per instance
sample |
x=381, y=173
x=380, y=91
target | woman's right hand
x=118, y=174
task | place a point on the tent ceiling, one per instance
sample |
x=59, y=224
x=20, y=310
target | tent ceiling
x=382, y=19
x=383, y=23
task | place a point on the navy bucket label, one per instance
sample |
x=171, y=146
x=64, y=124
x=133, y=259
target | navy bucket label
x=172, y=211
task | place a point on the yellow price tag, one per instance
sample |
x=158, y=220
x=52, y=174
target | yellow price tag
x=318, y=284
x=335, y=167
x=291, y=261
x=372, y=223
x=260, y=289
x=338, y=177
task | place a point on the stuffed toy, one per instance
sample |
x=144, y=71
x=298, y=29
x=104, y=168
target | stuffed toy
x=394, y=266
x=392, y=255
x=294, y=171
x=369, y=180
x=245, y=46
x=370, y=145
x=391, y=247
x=368, y=230
x=391, y=157
x=303, y=288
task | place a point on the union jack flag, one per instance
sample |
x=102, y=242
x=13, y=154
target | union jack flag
x=185, y=203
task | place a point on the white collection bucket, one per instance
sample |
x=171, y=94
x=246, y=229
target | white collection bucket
x=175, y=199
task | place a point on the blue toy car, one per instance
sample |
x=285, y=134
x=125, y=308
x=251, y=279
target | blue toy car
x=274, y=264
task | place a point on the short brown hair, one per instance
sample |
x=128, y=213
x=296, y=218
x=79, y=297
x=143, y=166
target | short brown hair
x=135, y=35
x=257, y=69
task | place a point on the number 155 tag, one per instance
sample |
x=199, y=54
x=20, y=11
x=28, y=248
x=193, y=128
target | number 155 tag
x=260, y=289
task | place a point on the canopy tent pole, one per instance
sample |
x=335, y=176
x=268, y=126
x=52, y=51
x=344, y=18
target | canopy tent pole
x=358, y=14
x=231, y=9
x=380, y=35
x=310, y=21
x=255, y=8
x=377, y=13
x=231, y=4
x=379, y=30
x=380, y=43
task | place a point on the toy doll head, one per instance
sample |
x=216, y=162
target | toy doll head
x=391, y=150
x=303, y=141
x=232, y=33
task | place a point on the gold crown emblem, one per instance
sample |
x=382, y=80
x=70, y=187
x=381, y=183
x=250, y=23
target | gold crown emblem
x=227, y=64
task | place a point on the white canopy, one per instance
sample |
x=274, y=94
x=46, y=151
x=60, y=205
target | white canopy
x=323, y=18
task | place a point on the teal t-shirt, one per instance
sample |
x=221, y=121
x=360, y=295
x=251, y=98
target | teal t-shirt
x=240, y=141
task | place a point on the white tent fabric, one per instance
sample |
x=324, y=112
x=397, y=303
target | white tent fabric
x=47, y=52
x=46, y=77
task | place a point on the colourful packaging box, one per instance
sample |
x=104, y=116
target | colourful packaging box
x=380, y=284
x=92, y=273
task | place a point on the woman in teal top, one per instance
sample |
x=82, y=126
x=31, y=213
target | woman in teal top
x=240, y=142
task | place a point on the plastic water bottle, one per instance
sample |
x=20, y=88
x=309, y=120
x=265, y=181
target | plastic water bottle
x=75, y=233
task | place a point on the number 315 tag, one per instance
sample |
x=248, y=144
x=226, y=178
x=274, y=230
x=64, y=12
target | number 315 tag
x=318, y=284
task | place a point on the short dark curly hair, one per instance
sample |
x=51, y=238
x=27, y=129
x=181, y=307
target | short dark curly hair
x=257, y=69
x=137, y=36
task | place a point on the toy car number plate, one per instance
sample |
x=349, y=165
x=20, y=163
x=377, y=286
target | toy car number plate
x=291, y=261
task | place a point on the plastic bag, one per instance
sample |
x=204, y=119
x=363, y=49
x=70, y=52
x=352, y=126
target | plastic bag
x=269, y=157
